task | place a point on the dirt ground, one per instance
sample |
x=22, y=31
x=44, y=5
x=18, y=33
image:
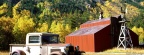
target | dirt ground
x=4, y=53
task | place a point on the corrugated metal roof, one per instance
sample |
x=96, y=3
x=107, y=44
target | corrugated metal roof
x=95, y=21
x=101, y=20
x=90, y=30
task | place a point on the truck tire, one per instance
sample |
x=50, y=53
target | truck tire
x=15, y=53
x=57, y=53
x=19, y=52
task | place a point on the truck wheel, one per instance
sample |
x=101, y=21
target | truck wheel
x=19, y=53
x=56, y=53
x=15, y=53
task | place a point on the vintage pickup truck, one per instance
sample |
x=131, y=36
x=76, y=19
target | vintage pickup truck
x=39, y=44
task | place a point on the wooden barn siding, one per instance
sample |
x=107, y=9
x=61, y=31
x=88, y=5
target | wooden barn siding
x=99, y=41
x=85, y=42
x=103, y=39
x=135, y=38
x=95, y=24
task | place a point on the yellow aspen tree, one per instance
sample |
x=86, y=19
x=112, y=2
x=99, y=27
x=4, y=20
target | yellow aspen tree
x=142, y=3
x=25, y=24
x=140, y=30
x=91, y=17
x=6, y=24
x=43, y=27
x=76, y=29
x=22, y=27
x=132, y=11
x=105, y=10
x=134, y=29
x=16, y=13
x=141, y=34
x=141, y=38
x=116, y=1
x=114, y=10
x=6, y=36
x=25, y=13
x=67, y=29
x=60, y=30
x=3, y=8
x=53, y=26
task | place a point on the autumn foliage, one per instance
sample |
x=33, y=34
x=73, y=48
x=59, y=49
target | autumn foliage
x=17, y=18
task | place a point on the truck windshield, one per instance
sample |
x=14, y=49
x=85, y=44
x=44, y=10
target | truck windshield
x=34, y=39
x=49, y=39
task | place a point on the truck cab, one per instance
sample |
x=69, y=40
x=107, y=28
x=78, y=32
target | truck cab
x=41, y=38
x=38, y=44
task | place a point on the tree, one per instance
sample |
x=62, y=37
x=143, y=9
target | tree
x=62, y=30
x=67, y=6
x=58, y=29
x=132, y=12
x=53, y=26
x=68, y=29
x=141, y=38
x=43, y=27
x=6, y=36
x=105, y=10
x=134, y=29
x=16, y=11
x=22, y=26
x=28, y=5
x=138, y=21
x=3, y=9
x=142, y=3
x=140, y=32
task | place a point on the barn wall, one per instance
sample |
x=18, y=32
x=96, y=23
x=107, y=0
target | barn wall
x=115, y=30
x=135, y=38
x=85, y=42
x=103, y=39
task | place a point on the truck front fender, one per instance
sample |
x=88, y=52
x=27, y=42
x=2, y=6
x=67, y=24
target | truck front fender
x=18, y=52
x=57, y=53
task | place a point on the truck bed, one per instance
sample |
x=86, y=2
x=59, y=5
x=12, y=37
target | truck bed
x=16, y=46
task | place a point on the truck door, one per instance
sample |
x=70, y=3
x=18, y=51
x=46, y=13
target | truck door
x=34, y=45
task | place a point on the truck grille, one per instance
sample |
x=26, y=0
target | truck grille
x=52, y=50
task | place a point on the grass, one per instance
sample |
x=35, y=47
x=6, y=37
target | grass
x=118, y=51
x=4, y=53
x=113, y=51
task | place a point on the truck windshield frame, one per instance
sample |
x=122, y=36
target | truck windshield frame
x=50, y=39
x=34, y=39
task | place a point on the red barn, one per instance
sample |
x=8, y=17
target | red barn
x=98, y=35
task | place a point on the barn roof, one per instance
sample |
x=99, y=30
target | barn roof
x=95, y=21
x=91, y=23
x=92, y=27
x=90, y=30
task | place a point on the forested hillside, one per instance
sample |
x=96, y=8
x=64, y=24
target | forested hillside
x=19, y=17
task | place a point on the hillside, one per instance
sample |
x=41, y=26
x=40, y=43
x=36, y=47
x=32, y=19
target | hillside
x=18, y=17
